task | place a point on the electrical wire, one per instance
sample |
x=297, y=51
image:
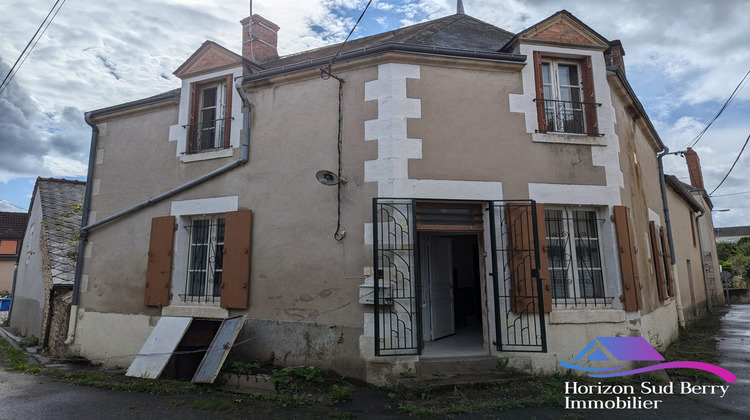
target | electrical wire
x=30, y=45
x=11, y=204
x=727, y=195
x=729, y=100
x=730, y=169
x=333, y=59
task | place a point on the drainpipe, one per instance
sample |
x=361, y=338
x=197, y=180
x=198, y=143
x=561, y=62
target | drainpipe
x=86, y=228
x=663, y=186
x=709, y=306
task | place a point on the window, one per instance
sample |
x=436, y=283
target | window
x=205, y=259
x=210, y=115
x=565, y=97
x=574, y=256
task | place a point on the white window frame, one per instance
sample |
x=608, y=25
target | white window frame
x=575, y=295
x=554, y=87
x=219, y=107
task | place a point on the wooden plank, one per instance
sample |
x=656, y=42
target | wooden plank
x=592, y=126
x=159, y=269
x=235, y=280
x=543, y=258
x=209, y=368
x=667, y=261
x=159, y=347
x=539, y=86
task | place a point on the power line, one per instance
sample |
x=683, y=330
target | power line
x=11, y=204
x=727, y=195
x=30, y=45
x=730, y=169
x=729, y=100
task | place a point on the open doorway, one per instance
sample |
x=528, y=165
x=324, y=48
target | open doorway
x=451, y=294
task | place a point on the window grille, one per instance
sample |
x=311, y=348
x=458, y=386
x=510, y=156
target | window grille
x=205, y=259
x=574, y=255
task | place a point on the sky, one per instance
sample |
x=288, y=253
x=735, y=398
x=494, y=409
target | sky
x=683, y=59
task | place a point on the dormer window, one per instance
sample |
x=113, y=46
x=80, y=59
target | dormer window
x=565, y=95
x=210, y=115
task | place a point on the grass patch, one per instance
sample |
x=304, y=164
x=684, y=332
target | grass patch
x=211, y=405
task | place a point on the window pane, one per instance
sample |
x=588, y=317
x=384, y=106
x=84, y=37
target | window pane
x=209, y=97
x=546, y=79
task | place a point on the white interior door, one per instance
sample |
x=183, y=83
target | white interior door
x=442, y=315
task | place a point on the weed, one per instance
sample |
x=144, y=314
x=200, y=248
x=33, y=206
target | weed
x=340, y=394
x=437, y=374
x=211, y=405
x=243, y=368
x=427, y=395
x=405, y=374
x=5, y=322
x=341, y=415
x=311, y=374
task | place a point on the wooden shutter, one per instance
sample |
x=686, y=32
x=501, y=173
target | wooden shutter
x=631, y=284
x=193, y=118
x=521, y=245
x=159, y=269
x=539, y=83
x=592, y=126
x=658, y=259
x=235, y=282
x=667, y=261
x=228, y=109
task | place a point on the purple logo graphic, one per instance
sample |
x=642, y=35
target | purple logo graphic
x=634, y=349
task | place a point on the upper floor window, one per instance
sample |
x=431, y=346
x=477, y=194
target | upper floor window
x=564, y=95
x=210, y=115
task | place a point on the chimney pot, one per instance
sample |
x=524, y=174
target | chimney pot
x=259, y=39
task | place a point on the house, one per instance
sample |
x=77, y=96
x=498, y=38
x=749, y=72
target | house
x=12, y=228
x=731, y=234
x=44, y=280
x=448, y=189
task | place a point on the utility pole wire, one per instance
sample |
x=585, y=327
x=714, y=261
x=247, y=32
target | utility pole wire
x=730, y=169
x=30, y=46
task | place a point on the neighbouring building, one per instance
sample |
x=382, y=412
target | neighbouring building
x=12, y=228
x=448, y=189
x=44, y=282
x=731, y=234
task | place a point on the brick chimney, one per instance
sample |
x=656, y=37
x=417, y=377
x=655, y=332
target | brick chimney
x=613, y=55
x=694, y=168
x=259, y=39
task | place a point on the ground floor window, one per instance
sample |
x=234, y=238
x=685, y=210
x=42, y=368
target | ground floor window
x=205, y=258
x=574, y=256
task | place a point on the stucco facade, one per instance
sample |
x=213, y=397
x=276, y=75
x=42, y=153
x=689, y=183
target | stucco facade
x=421, y=141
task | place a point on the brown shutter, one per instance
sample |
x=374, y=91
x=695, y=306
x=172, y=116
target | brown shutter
x=521, y=257
x=592, y=126
x=235, y=281
x=159, y=269
x=631, y=285
x=539, y=83
x=667, y=261
x=658, y=259
x=195, y=103
x=228, y=110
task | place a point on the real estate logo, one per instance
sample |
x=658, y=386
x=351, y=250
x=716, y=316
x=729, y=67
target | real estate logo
x=623, y=349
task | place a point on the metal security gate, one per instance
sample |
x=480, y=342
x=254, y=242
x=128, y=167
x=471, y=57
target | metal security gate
x=517, y=285
x=397, y=310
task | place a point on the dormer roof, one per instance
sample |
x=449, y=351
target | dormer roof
x=563, y=29
x=209, y=58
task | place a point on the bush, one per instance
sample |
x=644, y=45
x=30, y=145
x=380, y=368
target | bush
x=29, y=341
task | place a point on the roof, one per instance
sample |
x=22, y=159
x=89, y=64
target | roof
x=684, y=193
x=58, y=198
x=732, y=231
x=457, y=31
x=12, y=225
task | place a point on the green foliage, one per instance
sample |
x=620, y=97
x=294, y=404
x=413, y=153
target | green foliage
x=242, y=368
x=311, y=374
x=29, y=341
x=73, y=228
x=340, y=394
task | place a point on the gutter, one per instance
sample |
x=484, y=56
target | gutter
x=86, y=228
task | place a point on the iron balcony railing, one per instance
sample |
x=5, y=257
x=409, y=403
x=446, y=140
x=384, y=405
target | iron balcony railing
x=206, y=135
x=565, y=116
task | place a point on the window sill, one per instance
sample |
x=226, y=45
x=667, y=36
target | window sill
x=213, y=154
x=586, y=316
x=195, y=311
x=560, y=138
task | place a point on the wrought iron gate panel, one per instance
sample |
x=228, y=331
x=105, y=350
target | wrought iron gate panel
x=397, y=307
x=519, y=319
